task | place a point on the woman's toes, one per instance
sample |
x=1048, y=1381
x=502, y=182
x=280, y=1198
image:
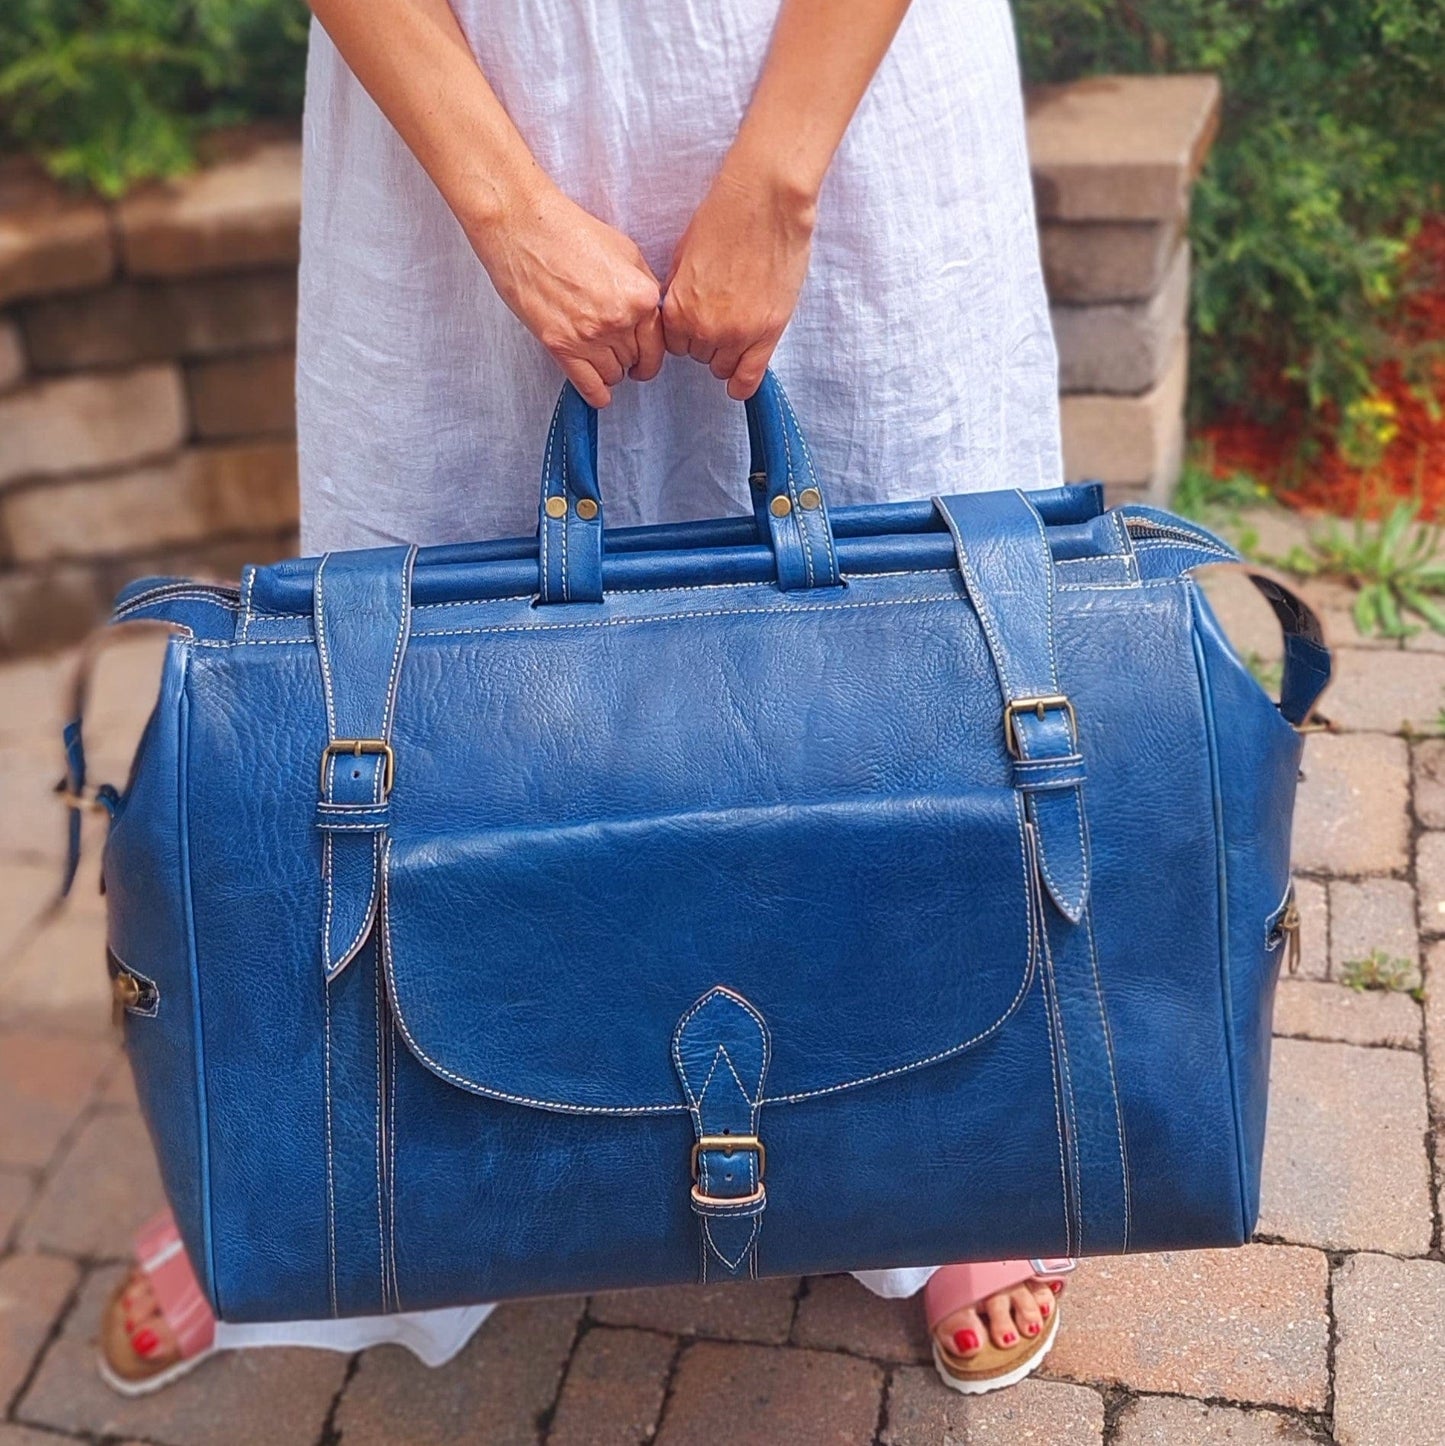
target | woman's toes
x=963, y=1333
x=136, y=1299
x=1027, y=1315
x=1043, y=1298
x=1001, y=1328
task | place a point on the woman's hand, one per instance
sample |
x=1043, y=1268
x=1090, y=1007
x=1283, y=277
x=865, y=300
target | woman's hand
x=579, y=286
x=737, y=272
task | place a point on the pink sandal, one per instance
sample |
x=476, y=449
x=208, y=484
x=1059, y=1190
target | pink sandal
x=161, y=1257
x=956, y=1287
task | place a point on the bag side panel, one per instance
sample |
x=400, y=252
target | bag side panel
x=1259, y=757
x=1126, y=658
x=148, y=930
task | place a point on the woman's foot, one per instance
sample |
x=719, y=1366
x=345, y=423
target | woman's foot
x=992, y=1325
x=157, y=1325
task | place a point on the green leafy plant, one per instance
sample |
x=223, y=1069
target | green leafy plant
x=1381, y=971
x=1206, y=498
x=1395, y=564
x=111, y=92
x=1332, y=145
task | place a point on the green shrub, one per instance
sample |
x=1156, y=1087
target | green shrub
x=110, y=92
x=1332, y=146
x=1333, y=142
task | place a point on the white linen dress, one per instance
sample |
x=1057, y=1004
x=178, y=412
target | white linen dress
x=920, y=358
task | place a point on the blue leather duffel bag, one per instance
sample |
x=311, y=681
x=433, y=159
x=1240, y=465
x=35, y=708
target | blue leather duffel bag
x=799, y=893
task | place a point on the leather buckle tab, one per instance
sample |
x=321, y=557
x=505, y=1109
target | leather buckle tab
x=356, y=747
x=1038, y=707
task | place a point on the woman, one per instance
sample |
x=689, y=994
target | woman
x=842, y=192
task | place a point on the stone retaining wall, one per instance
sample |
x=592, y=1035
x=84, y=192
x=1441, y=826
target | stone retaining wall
x=146, y=413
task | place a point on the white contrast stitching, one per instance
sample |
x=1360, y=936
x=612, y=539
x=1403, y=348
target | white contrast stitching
x=1173, y=583
x=1113, y=1077
x=1056, y=1016
x=248, y=589
x=330, y=1172
x=391, y=1173
x=380, y=1149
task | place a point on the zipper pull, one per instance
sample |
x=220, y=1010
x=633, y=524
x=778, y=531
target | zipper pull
x=125, y=993
x=1289, y=926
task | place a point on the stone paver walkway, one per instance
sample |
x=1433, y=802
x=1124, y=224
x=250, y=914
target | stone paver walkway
x=1331, y=1327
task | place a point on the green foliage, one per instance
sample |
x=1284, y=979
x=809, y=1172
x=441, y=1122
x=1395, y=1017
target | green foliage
x=1378, y=970
x=1332, y=145
x=1395, y=564
x=1219, y=502
x=110, y=92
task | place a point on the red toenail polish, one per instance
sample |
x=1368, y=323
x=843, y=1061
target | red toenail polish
x=1056, y=1286
x=1044, y=1309
x=1031, y=1329
x=1008, y=1338
x=966, y=1340
x=146, y=1342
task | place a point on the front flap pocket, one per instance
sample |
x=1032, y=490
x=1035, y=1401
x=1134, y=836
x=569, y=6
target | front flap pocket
x=550, y=966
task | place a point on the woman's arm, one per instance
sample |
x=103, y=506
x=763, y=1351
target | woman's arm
x=739, y=267
x=581, y=287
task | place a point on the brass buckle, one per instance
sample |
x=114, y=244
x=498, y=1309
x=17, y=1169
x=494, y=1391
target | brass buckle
x=728, y=1144
x=78, y=802
x=1038, y=707
x=356, y=747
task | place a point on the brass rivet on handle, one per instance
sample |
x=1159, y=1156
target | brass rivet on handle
x=810, y=498
x=556, y=507
x=780, y=506
x=586, y=509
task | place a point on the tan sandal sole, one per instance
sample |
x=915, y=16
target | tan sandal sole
x=993, y=1369
x=127, y=1373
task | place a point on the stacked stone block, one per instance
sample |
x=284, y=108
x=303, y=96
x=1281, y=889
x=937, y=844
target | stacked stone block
x=146, y=348
x=1114, y=160
x=147, y=411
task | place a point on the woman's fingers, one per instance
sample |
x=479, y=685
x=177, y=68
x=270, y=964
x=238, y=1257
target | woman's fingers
x=585, y=377
x=747, y=376
x=610, y=364
x=651, y=347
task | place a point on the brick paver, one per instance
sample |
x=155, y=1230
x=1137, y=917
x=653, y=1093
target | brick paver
x=1312, y=896
x=1390, y=1353
x=1430, y=880
x=57, y=983
x=1199, y=1348
x=102, y=1191
x=839, y=1314
x=1435, y=1029
x=1343, y=1167
x=45, y=1081
x=614, y=1388
x=1430, y=782
x=1352, y=814
x=494, y=1394
x=33, y=1291
x=762, y=1311
x=757, y=1397
x=1039, y=1413
x=1372, y=692
x=1370, y=915
x=17, y=1190
x=1246, y=1325
x=269, y=1397
x=1170, y=1421
x=1309, y=1009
